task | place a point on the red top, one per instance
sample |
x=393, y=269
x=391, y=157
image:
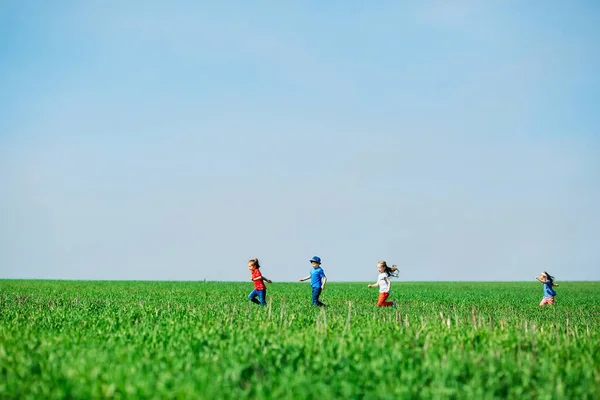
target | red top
x=258, y=284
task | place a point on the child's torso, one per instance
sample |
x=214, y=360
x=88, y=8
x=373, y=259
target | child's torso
x=258, y=284
x=383, y=284
x=548, y=290
x=315, y=276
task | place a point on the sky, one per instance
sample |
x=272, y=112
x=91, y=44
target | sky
x=148, y=140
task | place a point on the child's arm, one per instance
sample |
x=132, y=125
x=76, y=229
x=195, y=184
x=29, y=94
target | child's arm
x=323, y=282
x=261, y=278
x=264, y=278
x=373, y=285
x=538, y=278
x=389, y=283
x=304, y=279
x=554, y=284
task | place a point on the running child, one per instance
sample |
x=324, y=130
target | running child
x=384, y=283
x=317, y=280
x=549, y=292
x=260, y=290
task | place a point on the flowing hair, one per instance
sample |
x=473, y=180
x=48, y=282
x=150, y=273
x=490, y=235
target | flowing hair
x=255, y=262
x=549, y=277
x=390, y=271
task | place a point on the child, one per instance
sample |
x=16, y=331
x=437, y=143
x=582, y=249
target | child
x=317, y=280
x=260, y=289
x=549, y=293
x=384, y=283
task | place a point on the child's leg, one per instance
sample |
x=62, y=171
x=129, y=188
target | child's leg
x=252, y=296
x=316, y=292
x=381, y=301
x=315, y=296
x=262, y=295
x=319, y=302
x=547, y=300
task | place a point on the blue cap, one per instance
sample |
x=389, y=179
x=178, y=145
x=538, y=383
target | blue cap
x=316, y=259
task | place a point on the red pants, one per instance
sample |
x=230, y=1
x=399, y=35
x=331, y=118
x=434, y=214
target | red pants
x=547, y=300
x=381, y=301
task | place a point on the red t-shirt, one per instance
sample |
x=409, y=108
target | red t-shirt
x=258, y=284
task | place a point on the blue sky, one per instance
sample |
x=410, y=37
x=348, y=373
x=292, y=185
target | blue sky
x=146, y=140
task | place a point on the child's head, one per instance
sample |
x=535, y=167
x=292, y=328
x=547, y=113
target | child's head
x=253, y=264
x=545, y=276
x=315, y=261
x=382, y=267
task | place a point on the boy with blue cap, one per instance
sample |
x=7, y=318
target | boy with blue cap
x=317, y=280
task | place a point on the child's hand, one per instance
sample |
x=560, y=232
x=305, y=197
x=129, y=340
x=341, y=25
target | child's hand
x=300, y=280
x=323, y=287
x=269, y=281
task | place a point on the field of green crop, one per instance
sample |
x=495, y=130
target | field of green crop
x=69, y=339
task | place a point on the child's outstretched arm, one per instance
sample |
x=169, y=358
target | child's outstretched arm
x=373, y=285
x=389, y=282
x=304, y=279
x=538, y=278
x=261, y=278
x=264, y=278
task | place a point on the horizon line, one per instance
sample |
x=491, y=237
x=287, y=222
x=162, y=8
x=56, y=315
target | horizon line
x=244, y=281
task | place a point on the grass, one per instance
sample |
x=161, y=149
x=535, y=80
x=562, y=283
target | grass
x=71, y=339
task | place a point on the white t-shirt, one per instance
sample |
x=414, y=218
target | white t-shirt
x=383, y=285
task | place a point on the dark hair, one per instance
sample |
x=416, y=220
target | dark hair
x=549, y=277
x=254, y=262
x=390, y=271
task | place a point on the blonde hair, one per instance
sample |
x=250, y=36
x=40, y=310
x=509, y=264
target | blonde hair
x=390, y=271
x=255, y=262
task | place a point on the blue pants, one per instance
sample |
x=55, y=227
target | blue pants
x=261, y=294
x=316, y=292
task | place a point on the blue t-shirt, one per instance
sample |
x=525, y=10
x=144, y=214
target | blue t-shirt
x=548, y=291
x=315, y=277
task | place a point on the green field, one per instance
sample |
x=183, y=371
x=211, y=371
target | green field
x=69, y=339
